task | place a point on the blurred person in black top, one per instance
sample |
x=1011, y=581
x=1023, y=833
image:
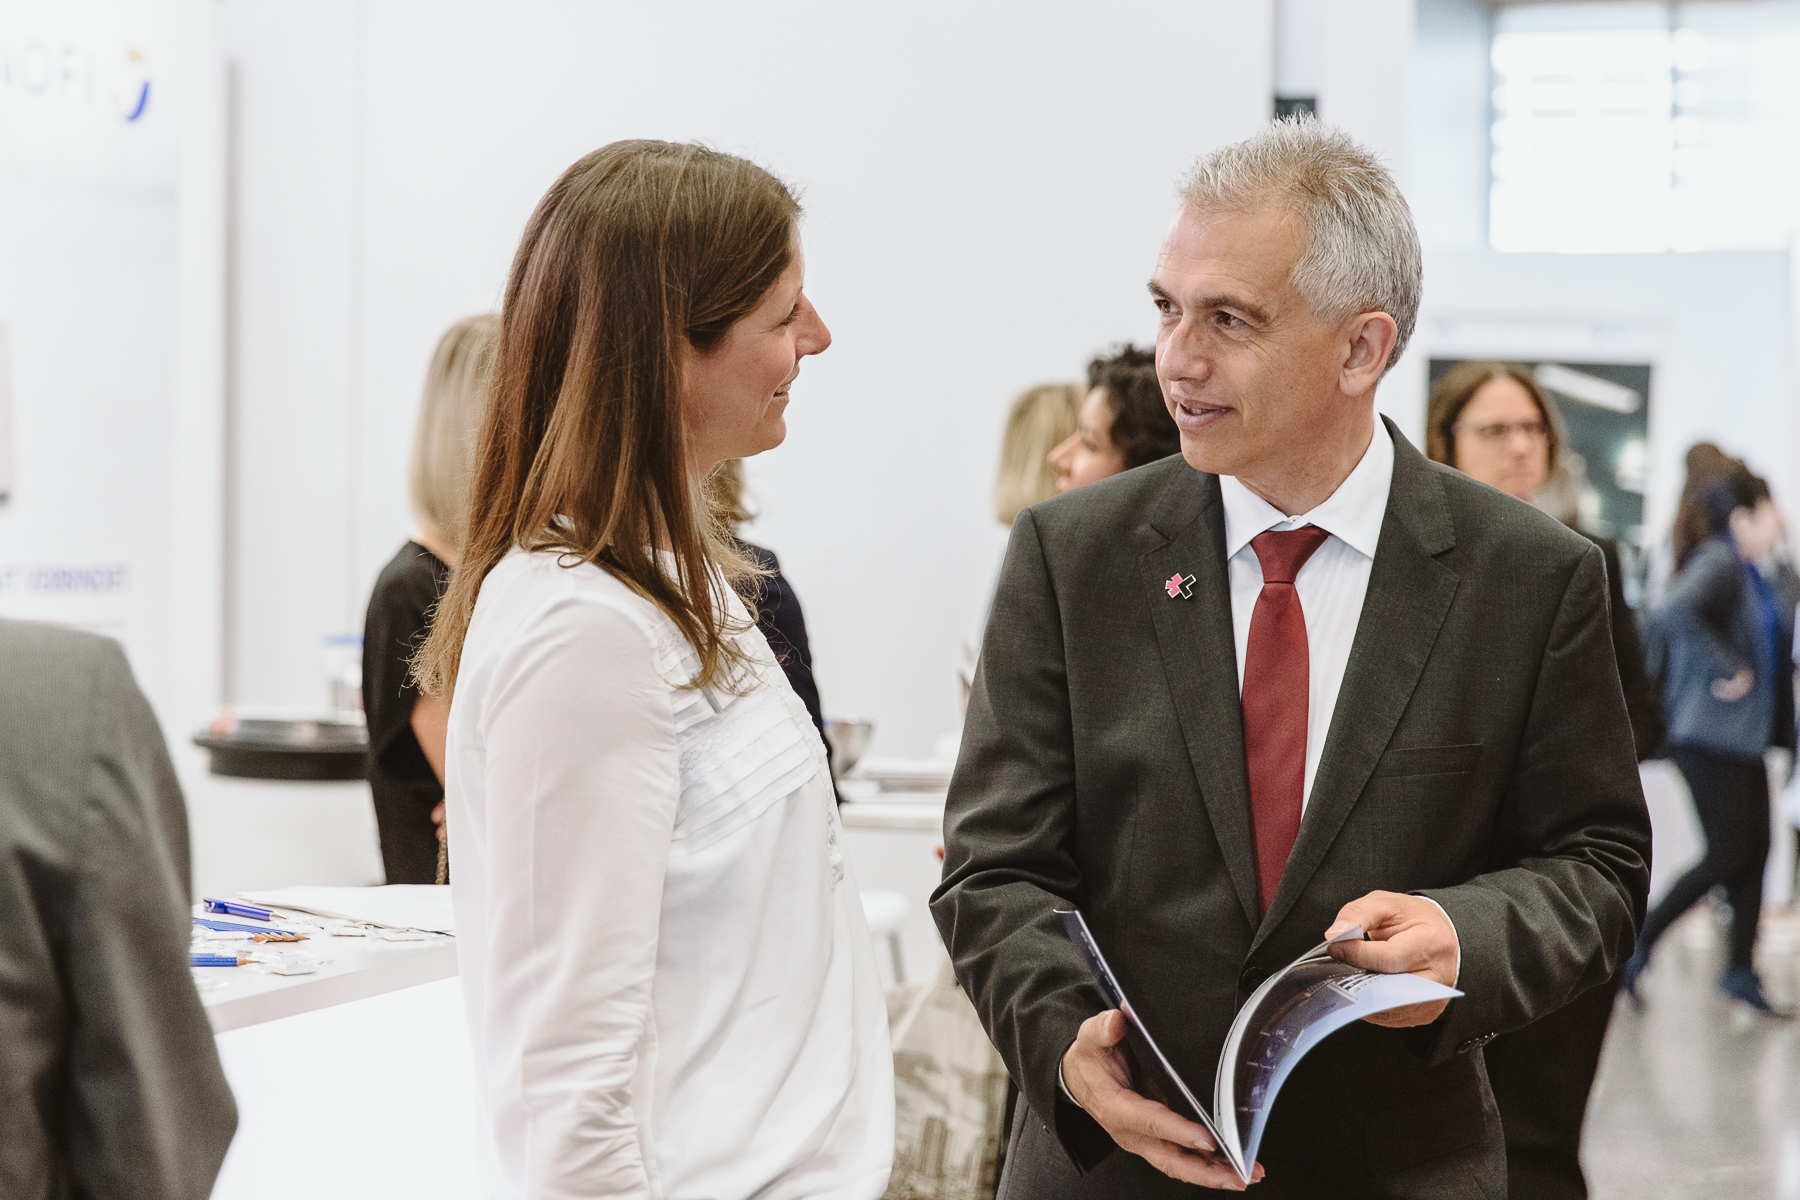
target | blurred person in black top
x=771, y=597
x=406, y=729
x=1492, y=422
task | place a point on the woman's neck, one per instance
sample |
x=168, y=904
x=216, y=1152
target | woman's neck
x=445, y=552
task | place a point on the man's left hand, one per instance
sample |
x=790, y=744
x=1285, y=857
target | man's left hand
x=1407, y=935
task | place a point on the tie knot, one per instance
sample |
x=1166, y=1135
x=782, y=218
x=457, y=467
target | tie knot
x=1283, y=552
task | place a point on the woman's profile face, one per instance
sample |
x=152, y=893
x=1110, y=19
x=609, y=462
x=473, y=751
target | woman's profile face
x=735, y=395
x=1757, y=530
x=1088, y=455
x=1501, y=439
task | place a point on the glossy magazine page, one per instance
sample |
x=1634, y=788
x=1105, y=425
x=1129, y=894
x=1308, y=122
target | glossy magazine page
x=1294, y=1010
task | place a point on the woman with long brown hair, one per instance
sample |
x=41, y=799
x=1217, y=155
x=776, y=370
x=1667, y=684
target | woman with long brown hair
x=669, y=984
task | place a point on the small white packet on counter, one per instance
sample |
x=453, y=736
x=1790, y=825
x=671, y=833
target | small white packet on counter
x=288, y=962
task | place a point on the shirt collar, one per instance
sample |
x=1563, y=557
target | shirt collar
x=1352, y=514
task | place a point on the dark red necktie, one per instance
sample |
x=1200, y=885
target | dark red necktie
x=1275, y=701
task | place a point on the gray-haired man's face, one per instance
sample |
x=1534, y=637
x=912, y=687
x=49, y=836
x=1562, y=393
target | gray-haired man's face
x=1260, y=386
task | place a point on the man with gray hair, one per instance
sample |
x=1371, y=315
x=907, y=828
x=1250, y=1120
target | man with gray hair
x=1296, y=678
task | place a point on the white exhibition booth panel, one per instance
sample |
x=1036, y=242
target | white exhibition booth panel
x=112, y=321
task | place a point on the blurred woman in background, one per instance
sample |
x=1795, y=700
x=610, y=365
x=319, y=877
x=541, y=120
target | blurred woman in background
x=1704, y=464
x=1124, y=422
x=406, y=728
x=1492, y=422
x=1040, y=420
x=1728, y=691
x=669, y=982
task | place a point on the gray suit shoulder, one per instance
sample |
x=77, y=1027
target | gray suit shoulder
x=1502, y=530
x=51, y=680
x=1109, y=504
x=37, y=652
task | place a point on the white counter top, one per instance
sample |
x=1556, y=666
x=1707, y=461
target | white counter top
x=916, y=813
x=355, y=969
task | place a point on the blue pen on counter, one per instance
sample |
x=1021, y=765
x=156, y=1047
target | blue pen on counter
x=237, y=909
x=217, y=960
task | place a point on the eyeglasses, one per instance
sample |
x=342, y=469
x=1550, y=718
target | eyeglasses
x=1500, y=431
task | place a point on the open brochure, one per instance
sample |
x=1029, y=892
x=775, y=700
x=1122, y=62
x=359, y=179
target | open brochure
x=1294, y=1010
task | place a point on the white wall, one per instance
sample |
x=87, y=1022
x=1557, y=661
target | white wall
x=1365, y=73
x=986, y=188
x=293, y=340
x=1360, y=61
x=1448, y=110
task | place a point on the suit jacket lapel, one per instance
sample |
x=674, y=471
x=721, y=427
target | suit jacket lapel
x=1200, y=661
x=1408, y=598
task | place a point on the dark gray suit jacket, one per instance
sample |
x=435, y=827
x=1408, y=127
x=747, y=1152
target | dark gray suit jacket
x=1479, y=754
x=110, y=1085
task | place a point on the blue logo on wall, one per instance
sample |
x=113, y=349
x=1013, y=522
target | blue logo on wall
x=132, y=100
x=74, y=73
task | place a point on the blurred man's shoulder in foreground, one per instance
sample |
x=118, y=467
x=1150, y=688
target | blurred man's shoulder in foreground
x=110, y=1083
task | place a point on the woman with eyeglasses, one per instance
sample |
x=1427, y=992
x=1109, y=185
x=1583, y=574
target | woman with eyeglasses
x=1492, y=422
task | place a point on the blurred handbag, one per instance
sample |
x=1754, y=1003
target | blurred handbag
x=949, y=1095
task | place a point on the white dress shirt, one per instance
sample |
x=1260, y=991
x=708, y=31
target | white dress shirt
x=1331, y=585
x=670, y=988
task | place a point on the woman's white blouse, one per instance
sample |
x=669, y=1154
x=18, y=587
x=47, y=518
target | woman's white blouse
x=671, y=992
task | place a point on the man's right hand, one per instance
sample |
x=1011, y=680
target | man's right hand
x=1095, y=1072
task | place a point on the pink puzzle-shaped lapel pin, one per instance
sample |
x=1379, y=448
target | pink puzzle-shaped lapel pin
x=1180, y=585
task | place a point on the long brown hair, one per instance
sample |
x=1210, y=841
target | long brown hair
x=641, y=247
x=1706, y=466
x=1451, y=394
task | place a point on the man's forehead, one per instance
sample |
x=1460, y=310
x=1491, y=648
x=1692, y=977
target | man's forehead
x=1209, y=250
